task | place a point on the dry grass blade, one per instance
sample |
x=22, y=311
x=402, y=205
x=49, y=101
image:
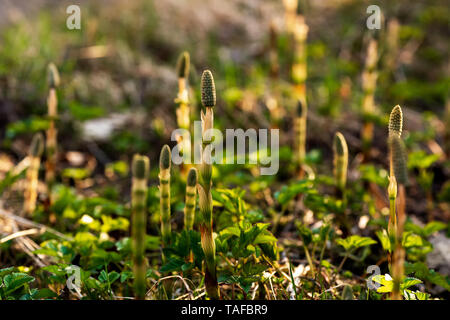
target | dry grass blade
x=30, y=224
x=188, y=289
x=20, y=234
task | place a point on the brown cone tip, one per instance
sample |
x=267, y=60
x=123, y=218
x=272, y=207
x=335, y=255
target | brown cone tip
x=192, y=177
x=301, y=109
x=53, y=76
x=183, y=65
x=396, y=121
x=37, y=145
x=340, y=145
x=208, y=89
x=165, y=158
x=140, y=167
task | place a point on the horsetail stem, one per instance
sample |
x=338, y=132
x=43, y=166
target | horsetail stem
x=395, y=129
x=273, y=95
x=392, y=225
x=340, y=167
x=299, y=68
x=34, y=154
x=204, y=186
x=140, y=171
x=340, y=152
x=191, y=192
x=398, y=271
x=447, y=128
x=52, y=104
x=290, y=7
x=398, y=156
x=183, y=111
x=164, y=189
x=273, y=51
x=299, y=74
x=189, y=208
x=399, y=177
x=300, y=127
x=399, y=168
x=392, y=42
x=369, y=79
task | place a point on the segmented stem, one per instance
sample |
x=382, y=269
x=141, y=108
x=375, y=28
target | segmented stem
x=392, y=225
x=299, y=69
x=392, y=42
x=369, y=79
x=273, y=93
x=398, y=270
x=447, y=128
x=300, y=129
x=35, y=153
x=398, y=179
x=52, y=106
x=340, y=167
x=164, y=188
x=183, y=110
x=140, y=168
x=340, y=161
x=398, y=159
x=204, y=187
x=290, y=7
x=191, y=193
x=299, y=74
x=273, y=51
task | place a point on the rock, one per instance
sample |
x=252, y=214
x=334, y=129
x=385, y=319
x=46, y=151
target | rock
x=439, y=258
